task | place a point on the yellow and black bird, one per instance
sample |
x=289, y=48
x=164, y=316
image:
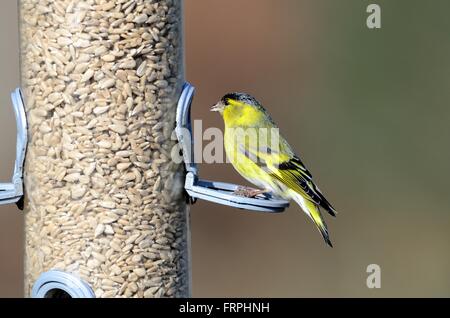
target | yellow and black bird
x=263, y=157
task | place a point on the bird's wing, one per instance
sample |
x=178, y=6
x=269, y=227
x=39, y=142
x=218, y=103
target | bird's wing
x=288, y=169
x=294, y=174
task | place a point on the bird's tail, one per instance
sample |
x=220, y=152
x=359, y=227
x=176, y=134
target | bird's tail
x=313, y=211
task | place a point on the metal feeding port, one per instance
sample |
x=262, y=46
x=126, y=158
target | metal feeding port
x=13, y=192
x=59, y=284
x=217, y=192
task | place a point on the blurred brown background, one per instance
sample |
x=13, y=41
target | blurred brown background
x=366, y=109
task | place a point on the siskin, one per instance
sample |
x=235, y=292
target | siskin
x=257, y=151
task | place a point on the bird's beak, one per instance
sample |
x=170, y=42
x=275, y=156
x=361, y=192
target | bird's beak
x=218, y=107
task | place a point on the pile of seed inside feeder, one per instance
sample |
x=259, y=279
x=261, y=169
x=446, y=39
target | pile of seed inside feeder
x=101, y=80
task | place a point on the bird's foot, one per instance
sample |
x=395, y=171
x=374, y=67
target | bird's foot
x=249, y=192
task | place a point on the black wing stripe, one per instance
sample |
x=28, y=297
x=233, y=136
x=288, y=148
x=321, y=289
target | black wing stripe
x=296, y=164
x=308, y=186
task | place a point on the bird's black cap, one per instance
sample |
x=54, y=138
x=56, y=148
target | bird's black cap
x=241, y=97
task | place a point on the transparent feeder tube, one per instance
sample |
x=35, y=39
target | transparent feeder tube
x=104, y=200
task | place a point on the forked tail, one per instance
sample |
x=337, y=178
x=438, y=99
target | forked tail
x=313, y=211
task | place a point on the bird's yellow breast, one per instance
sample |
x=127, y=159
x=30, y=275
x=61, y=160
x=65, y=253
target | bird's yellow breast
x=237, y=148
x=243, y=165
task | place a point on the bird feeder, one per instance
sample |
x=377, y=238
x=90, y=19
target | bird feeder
x=105, y=212
x=105, y=205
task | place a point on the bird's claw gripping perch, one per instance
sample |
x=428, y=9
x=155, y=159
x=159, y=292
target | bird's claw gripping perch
x=249, y=192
